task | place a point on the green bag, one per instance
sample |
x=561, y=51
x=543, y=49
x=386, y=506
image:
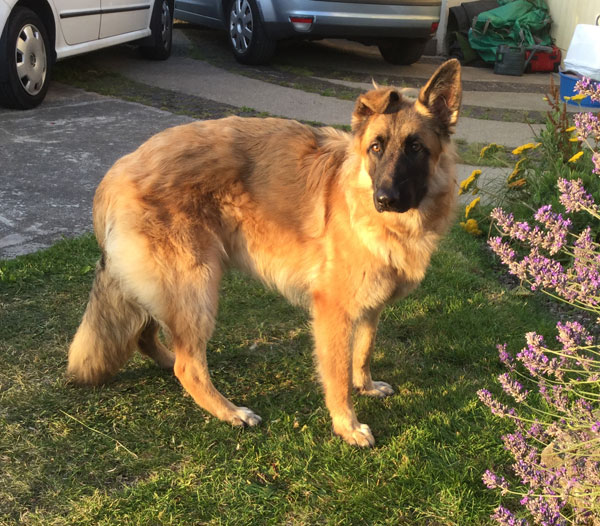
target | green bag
x=516, y=23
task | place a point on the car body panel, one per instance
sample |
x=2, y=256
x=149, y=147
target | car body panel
x=204, y=12
x=79, y=20
x=124, y=16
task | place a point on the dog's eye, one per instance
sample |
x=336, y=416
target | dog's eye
x=375, y=147
x=415, y=146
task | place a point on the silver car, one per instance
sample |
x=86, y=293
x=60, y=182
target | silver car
x=401, y=28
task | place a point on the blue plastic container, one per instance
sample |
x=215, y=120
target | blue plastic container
x=567, y=89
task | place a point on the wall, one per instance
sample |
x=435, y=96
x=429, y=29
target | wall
x=566, y=14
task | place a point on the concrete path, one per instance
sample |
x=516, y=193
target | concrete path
x=53, y=157
x=194, y=77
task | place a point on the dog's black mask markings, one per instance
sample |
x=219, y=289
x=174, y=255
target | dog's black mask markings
x=398, y=168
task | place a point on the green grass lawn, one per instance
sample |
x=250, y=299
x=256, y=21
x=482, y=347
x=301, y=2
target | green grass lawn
x=138, y=451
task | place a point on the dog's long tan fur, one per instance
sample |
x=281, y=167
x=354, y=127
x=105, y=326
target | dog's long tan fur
x=289, y=203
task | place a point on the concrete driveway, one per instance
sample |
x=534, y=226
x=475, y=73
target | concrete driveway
x=53, y=157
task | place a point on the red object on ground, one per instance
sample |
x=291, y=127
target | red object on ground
x=543, y=61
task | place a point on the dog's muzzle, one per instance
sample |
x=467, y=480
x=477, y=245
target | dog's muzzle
x=389, y=201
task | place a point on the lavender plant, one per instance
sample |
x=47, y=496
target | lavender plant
x=554, y=389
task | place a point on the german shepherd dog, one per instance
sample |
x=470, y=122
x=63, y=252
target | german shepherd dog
x=340, y=222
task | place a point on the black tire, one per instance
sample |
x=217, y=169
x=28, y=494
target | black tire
x=161, y=41
x=246, y=34
x=26, y=58
x=403, y=51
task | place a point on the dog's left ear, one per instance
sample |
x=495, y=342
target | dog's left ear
x=441, y=96
x=382, y=100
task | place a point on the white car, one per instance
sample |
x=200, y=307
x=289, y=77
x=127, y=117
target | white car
x=36, y=33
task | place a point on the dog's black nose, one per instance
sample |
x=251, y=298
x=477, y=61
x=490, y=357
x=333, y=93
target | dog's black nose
x=385, y=200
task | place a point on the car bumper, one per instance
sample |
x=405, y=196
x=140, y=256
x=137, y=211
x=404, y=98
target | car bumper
x=351, y=20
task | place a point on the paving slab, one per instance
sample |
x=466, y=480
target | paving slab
x=53, y=157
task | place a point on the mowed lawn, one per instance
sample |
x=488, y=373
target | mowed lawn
x=138, y=451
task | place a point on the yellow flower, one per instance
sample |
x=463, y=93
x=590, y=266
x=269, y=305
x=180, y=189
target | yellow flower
x=576, y=98
x=464, y=185
x=471, y=205
x=518, y=183
x=471, y=227
x=570, y=129
x=516, y=170
x=489, y=146
x=575, y=157
x=574, y=139
x=523, y=147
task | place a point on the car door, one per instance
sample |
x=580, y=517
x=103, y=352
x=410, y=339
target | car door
x=124, y=16
x=79, y=20
x=208, y=10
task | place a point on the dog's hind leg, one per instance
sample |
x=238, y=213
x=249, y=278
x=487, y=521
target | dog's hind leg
x=151, y=346
x=191, y=323
x=363, y=343
x=108, y=333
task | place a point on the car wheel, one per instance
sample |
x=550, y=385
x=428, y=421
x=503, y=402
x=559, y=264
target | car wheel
x=25, y=59
x=403, y=51
x=161, y=26
x=247, y=38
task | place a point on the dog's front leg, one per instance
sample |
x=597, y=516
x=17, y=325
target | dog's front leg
x=332, y=330
x=363, y=342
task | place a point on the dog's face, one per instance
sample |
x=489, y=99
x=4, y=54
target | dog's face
x=400, y=140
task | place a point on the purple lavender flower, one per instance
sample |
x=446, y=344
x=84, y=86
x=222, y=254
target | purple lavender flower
x=574, y=197
x=545, y=511
x=587, y=125
x=497, y=408
x=534, y=359
x=513, y=388
x=505, y=357
x=505, y=517
x=536, y=430
x=509, y=227
x=596, y=426
x=596, y=161
x=586, y=86
x=572, y=335
x=545, y=272
x=493, y=481
x=557, y=228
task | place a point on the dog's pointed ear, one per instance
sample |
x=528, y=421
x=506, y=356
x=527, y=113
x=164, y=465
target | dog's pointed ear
x=442, y=94
x=382, y=100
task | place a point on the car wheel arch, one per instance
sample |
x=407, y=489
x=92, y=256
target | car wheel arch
x=42, y=9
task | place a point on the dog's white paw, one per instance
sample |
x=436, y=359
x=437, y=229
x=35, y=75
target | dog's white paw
x=359, y=436
x=379, y=390
x=243, y=416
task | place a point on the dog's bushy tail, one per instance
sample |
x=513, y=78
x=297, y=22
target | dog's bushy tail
x=108, y=334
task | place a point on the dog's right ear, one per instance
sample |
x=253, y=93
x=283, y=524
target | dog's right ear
x=382, y=100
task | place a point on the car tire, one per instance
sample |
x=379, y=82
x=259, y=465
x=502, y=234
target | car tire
x=403, y=51
x=246, y=34
x=26, y=58
x=161, y=25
